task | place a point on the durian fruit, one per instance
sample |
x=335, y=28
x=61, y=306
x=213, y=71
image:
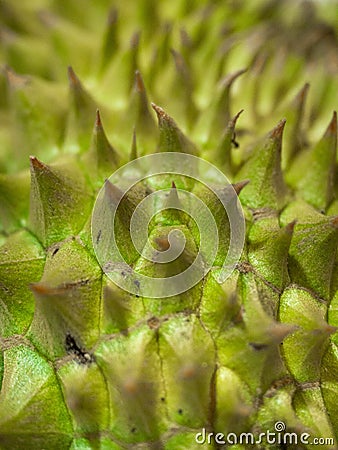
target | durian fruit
x=85, y=364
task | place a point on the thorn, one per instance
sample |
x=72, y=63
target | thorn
x=229, y=79
x=113, y=192
x=301, y=96
x=332, y=128
x=139, y=84
x=167, y=27
x=112, y=16
x=135, y=39
x=173, y=200
x=179, y=60
x=330, y=329
x=240, y=185
x=279, y=332
x=98, y=123
x=171, y=137
x=73, y=79
x=40, y=288
x=133, y=151
x=161, y=114
x=233, y=121
x=259, y=63
x=290, y=226
x=277, y=132
x=37, y=164
x=334, y=222
x=104, y=153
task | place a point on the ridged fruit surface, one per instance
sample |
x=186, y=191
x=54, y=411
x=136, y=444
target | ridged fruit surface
x=88, y=86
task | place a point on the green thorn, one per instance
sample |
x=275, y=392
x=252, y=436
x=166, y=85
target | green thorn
x=267, y=187
x=172, y=138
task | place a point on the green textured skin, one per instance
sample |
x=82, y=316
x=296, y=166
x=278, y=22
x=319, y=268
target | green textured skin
x=85, y=365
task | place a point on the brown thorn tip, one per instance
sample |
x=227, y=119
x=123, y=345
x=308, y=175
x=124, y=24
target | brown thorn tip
x=290, y=226
x=239, y=113
x=303, y=92
x=235, y=118
x=135, y=39
x=73, y=79
x=112, y=16
x=159, y=111
x=330, y=329
x=36, y=164
x=240, y=185
x=133, y=151
x=334, y=221
x=332, y=128
x=178, y=58
x=139, y=82
x=229, y=79
x=98, y=122
x=39, y=288
x=277, y=132
x=173, y=198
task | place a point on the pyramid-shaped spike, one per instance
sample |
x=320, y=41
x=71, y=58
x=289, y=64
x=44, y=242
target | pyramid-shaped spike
x=133, y=151
x=102, y=159
x=83, y=108
x=110, y=44
x=267, y=187
x=139, y=108
x=172, y=138
x=222, y=153
x=314, y=173
x=294, y=135
x=319, y=238
x=59, y=202
x=222, y=113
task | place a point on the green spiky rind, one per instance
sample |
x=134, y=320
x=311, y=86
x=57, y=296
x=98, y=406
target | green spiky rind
x=32, y=388
x=22, y=263
x=219, y=356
